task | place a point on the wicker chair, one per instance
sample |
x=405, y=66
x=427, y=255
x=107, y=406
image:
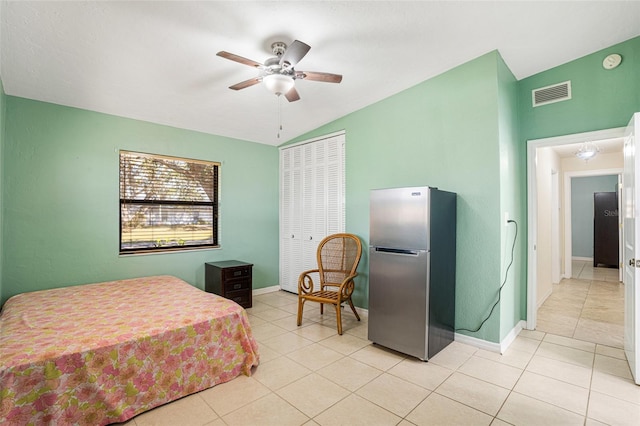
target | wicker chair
x=338, y=257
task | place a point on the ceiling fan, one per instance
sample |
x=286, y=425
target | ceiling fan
x=278, y=73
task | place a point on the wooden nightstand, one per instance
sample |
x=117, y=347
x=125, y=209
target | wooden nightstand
x=230, y=279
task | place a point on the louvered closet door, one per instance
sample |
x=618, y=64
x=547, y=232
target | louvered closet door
x=335, y=188
x=290, y=217
x=311, y=201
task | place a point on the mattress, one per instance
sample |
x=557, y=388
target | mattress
x=101, y=353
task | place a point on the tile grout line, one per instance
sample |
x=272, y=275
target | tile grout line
x=516, y=383
x=511, y=391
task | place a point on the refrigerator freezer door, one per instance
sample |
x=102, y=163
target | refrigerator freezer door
x=398, y=300
x=400, y=218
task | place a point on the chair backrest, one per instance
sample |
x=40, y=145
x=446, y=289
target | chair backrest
x=338, y=257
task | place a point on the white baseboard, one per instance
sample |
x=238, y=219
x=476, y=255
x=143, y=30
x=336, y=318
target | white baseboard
x=265, y=290
x=364, y=313
x=584, y=259
x=478, y=343
x=511, y=336
x=491, y=346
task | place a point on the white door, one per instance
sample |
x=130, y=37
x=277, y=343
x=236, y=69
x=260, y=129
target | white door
x=555, y=228
x=290, y=217
x=335, y=187
x=311, y=203
x=314, y=222
x=631, y=224
x=620, y=231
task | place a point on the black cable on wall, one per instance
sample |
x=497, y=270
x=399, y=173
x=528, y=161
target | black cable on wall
x=506, y=273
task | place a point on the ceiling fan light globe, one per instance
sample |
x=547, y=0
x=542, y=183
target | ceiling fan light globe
x=278, y=84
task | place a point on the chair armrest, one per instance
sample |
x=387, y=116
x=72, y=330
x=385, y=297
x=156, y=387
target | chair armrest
x=305, y=282
x=347, y=286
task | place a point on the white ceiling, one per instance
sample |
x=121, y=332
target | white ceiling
x=156, y=61
x=606, y=146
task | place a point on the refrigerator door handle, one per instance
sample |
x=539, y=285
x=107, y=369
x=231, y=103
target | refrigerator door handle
x=398, y=251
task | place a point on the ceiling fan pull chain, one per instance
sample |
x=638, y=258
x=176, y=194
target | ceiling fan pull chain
x=279, y=115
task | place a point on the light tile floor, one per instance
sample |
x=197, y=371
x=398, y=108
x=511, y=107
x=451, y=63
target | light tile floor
x=310, y=375
x=589, y=306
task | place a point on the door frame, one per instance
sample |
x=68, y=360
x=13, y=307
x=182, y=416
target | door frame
x=532, y=205
x=556, y=275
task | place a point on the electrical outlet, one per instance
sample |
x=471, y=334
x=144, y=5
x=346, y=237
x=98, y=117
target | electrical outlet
x=506, y=218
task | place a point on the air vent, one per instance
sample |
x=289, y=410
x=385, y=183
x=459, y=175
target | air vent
x=550, y=94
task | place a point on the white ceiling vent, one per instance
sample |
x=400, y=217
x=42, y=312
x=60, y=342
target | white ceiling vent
x=550, y=94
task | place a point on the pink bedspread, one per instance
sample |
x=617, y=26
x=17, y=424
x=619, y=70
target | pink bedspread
x=102, y=353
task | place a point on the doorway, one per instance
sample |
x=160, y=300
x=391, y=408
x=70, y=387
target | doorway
x=588, y=302
x=539, y=223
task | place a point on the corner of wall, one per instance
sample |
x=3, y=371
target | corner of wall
x=2, y=142
x=512, y=202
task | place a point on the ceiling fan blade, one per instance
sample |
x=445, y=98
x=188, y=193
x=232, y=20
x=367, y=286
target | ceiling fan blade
x=239, y=59
x=325, y=77
x=294, y=53
x=292, y=95
x=246, y=83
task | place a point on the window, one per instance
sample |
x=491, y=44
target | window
x=167, y=203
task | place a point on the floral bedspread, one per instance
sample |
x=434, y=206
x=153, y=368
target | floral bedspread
x=102, y=353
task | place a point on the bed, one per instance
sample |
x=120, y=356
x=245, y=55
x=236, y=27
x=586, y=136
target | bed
x=101, y=353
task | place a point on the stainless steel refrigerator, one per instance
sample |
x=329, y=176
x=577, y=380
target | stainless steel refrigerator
x=412, y=269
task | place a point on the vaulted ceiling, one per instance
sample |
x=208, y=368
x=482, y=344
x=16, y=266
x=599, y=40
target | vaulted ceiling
x=156, y=61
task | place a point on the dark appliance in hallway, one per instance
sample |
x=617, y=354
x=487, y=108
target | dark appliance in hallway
x=605, y=229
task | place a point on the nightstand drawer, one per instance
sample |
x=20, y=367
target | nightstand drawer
x=233, y=285
x=236, y=273
x=241, y=297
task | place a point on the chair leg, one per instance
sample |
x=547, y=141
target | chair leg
x=353, y=308
x=321, y=308
x=339, y=318
x=300, y=305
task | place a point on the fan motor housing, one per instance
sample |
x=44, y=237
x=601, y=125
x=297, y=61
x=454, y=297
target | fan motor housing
x=272, y=66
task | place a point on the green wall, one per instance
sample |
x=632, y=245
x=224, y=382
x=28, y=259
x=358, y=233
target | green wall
x=445, y=133
x=512, y=204
x=2, y=139
x=601, y=99
x=61, y=199
x=463, y=131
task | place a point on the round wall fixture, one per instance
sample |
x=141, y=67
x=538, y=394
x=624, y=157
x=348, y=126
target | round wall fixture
x=611, y=61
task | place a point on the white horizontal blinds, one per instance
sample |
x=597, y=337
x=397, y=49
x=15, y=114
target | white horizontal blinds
x=167, y=203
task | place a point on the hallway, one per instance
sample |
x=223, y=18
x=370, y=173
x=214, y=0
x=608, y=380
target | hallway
x=589, y=306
